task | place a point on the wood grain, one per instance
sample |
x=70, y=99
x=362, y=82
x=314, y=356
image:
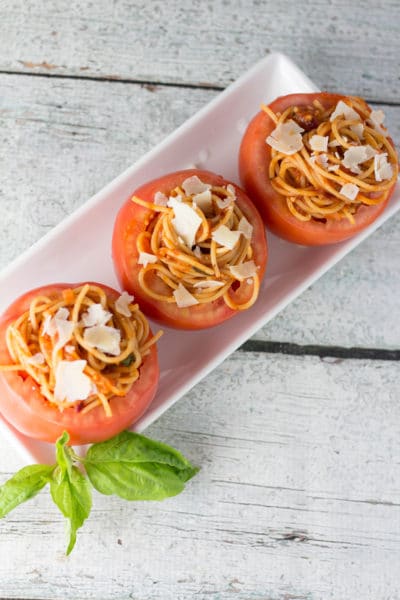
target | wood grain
x=343, y=46
x=298, y=493
x=63, y=140
x=297, y=497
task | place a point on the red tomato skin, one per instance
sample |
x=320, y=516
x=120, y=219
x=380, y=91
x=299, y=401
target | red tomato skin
x=254, y=159
x=24, y=407
x=132, y=219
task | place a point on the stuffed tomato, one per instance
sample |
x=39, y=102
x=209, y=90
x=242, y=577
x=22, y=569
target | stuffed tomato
x=191, y=248
x=319, y=167
x=79, y=358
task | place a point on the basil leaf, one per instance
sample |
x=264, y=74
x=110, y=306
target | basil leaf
x=25, y=484
x=137, y=468
x=134, y=447
x=128, y=360
x=71, y=492
x=63, y=453
x=142, y=481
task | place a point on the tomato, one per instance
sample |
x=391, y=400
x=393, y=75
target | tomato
x=254, y=159
x=22, y=404
x=133, y=219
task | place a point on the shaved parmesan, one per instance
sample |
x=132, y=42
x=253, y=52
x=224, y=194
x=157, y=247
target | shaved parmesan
x=286, y=138
x=145, y=258
x=36, y=359
x=225, y=237
x=320, y=159
x=244, y=270
x=334, y=144
x=334, y=168
x=383, y=169
x=319, y=143
x=344, y=110
x=223, y=203
x=376, y=119
x=64, y=331
x=49, y=327
x=160, y=199
x=204, y=201
x=104, y=338
x=208, y=283
x=59, y=325
x=349, y=190
x=231, y=190
x=173, y=199
x=183, y=297
x=357, y=155
x=245, y=228
x=95, y=315
x=71, y=383
x=197, y=252
x=50, y=324
x=358, y=129
x=194, y=185
x=122, y=304
x=186, y=221
x=62, y=314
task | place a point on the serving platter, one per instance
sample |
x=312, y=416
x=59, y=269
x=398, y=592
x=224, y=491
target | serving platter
x=209, y=140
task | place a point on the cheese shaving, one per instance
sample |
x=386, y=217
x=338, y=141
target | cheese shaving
x=286, y=138
x=225, y=237
x=349, y=190
x=223, y=203
x=160, y=199
x=122, y=304
x=344, y=110
x=183, y=297
x=358, y=129
x=208, y=283
x=319, y=143
x=36, y=359
x=244, y=270
x=204, y=201
x=245, y=228
x=145, y=258
x=186, y=222
x=104, y=338
x=193, y=185
x=355, y=155
x=95, y=315
x=383, y=169
x=72, y=385
x=376, y=118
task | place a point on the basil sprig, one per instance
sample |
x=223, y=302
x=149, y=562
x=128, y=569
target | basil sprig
x=128, y=465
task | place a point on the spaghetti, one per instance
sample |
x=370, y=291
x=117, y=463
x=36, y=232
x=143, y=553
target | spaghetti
x=74, y=327
x=218, y=258
x=343, y=160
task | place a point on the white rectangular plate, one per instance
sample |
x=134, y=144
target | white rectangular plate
x=209, y=140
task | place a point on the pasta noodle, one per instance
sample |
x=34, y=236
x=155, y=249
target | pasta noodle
x=37, y=347
x=325, y=184
x=203, y=268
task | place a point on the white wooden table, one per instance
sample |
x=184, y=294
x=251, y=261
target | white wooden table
x=297, y=433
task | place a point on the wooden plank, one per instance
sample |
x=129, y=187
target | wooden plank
x=297, y=496
x=63, y=140
x=205, y=43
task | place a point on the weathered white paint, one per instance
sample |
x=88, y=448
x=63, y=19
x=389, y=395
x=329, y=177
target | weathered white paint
x=298, y=497
x=344, y=46
x=63, y=140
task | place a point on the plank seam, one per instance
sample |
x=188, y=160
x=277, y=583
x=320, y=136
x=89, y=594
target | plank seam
x=338, y=352
x=143, y=82
x=149, y=83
